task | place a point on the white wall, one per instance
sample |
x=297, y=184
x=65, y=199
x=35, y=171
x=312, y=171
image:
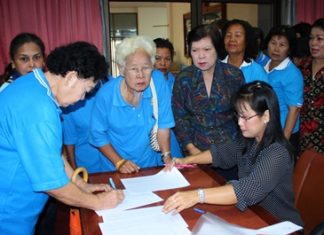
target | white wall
x=166, y=21
x=153, y=22
x=248, y=12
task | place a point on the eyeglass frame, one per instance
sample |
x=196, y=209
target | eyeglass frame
x=246, y=118
x=137, y=70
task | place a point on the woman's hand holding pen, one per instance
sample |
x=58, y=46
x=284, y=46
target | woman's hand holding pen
x=110, y=199
x=92, y=188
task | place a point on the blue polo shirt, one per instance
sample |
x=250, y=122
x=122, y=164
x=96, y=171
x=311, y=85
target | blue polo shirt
x=262, y=59
x=127, y=128
x=30, y=152
x=287, y=81
x=76, y=127
x=252, y=71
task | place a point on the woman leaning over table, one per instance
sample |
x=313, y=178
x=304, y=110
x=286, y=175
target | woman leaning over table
x=123, y=119
x=263, y=156
x=312, y=112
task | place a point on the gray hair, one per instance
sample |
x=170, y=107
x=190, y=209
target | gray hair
x=130, y=45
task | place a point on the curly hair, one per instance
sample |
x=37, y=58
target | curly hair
x=129, y=46
x=81, y=57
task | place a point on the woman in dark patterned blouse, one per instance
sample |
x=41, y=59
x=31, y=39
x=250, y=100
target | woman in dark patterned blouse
x=312, y=112
x=263, y=156
x=201, y=95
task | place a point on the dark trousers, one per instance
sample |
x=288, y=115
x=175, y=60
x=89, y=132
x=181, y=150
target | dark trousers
x=46, y=221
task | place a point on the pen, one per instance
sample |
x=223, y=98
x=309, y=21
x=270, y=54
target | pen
x=200, y=211
x=111, y=182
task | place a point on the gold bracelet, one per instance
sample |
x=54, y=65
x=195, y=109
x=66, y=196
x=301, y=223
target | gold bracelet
x=120, y=163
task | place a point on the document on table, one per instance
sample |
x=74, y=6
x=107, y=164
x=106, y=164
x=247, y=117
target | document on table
x=163, y=180
x=212, y=224
x=133, y=200
x=144, y=221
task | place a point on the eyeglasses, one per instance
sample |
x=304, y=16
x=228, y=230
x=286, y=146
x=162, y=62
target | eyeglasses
x=246, y=118
x=138, y=70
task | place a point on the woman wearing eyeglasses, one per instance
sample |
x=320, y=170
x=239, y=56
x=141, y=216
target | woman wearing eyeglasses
x=263, y=156
x=124, y=117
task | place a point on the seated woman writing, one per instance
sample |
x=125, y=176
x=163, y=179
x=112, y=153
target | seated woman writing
x=263, y=156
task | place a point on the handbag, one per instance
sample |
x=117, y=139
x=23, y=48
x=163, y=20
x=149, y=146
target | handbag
x=75, y=221
x=153, y=136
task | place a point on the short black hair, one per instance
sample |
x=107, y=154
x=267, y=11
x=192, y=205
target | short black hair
x=285, y=31
x=22, y=38
x=81, y=57
x=164, y=43
x=302, y=28
x=202, y=31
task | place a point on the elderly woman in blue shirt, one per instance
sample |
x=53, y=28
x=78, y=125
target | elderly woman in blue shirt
x=123, y=120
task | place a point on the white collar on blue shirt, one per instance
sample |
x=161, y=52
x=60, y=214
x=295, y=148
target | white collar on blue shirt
x=43, y=81
x=244, y=64
x=281, y=66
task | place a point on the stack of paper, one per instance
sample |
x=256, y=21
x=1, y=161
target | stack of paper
x=133, y=200
x=151, y=220
x=144, y=221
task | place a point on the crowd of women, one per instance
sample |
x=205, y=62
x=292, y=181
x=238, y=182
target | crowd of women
x=249, y=110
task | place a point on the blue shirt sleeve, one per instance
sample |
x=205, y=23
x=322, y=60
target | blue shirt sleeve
x=166, y=119
x=98, y=123
x=293, y=86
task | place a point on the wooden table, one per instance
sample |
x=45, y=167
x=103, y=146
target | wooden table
x=254, y=217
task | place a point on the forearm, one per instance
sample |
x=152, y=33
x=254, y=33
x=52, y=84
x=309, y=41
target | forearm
x=192, y=149
x=204, y=157
x=69, y=151
x=163, y=137
x=109, y=152
x=179, y=201
x=223, y=195
x=70, y=194
x=291, y=121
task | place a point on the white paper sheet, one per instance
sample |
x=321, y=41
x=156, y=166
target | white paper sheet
x=133, y=200
x=212, y=224
x=163, y=180
x=281, y=228
x=144, y=221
